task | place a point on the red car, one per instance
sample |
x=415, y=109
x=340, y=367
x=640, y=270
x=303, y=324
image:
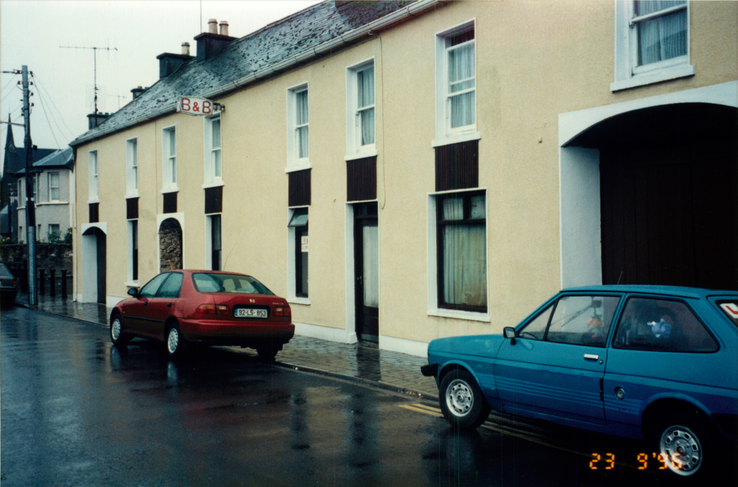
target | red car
x=209, y=307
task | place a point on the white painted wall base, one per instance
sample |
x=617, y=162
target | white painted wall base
x=324, y=333
x=409, y=347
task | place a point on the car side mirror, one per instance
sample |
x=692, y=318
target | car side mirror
x=133, y=292
x=509, y=332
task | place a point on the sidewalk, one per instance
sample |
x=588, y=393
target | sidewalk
x=358, y=362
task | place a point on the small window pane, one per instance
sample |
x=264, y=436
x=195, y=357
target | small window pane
x=453, y=208
x=477, y=207
x=301, y=107
x=215, y=129
x=365, y=87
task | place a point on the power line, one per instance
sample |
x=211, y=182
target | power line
x=51, y=100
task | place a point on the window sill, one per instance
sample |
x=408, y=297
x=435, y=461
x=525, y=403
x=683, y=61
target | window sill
x=52, y=203
x=361, y=155
x=456, y=138
x=132, y=284
x=173, y=189
x=297, y=167
x=132, y=196
x=93, y=201
x=213, y=184
x=300, y=301
x=459, y=315
x=666, y=74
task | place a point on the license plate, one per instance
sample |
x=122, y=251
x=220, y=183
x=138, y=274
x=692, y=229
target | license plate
x=250, y=313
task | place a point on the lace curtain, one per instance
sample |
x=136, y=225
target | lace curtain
x=664, y=37
x=461, y=77
x=365, y=95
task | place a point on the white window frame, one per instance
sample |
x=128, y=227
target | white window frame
x=432, y=260
x=169, y=160
x=53, y=226
x=52, y=187
x=354, y=128
x=132, y=167
x=294, y=161
x=211, y=177
x=627, y=72
x=93, y=180
x=444, y=133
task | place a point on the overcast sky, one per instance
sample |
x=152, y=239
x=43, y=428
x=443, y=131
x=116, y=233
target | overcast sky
x=32, y=33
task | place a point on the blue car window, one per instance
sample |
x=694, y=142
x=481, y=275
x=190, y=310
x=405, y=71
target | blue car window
x=662, y=325
x=150, y=289
x=582, y=320
x=536, y=328
x=170, y=289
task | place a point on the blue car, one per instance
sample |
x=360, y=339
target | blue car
x=647, y=362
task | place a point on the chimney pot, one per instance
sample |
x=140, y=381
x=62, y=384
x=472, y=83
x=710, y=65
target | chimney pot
x=223, y=27
x=213, y=26
x=186, y=48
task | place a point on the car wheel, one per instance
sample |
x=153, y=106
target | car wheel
x=682, y=443
x=462, y=401
x=175, y=341
x=117, y=335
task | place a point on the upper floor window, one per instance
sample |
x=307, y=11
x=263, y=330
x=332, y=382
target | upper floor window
x=456, y=84
x=92, y=175
x=169, y=145
x=298, y=134
x=651, y=42
x=213, y=151
x=54, y=186
x=360, y=128
x=132, y=167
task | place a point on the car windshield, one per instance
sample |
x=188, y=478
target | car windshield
x=5, y=272
x=228, y=283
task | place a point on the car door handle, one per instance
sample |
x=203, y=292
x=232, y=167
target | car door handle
x=169, y=305
x=146, y=303
x=591, y=356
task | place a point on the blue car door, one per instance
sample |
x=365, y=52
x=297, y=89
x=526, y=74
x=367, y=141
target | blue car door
x=556, y=364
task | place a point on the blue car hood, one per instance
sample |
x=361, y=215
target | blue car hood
x=476, y=346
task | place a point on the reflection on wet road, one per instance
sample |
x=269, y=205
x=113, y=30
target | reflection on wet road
x=77, y=411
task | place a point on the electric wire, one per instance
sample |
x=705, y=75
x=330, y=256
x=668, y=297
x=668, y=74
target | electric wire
x=46, y=96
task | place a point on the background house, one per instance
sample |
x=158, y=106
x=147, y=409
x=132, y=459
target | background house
x=14, y=161
x=53, y=191
x=402, y=171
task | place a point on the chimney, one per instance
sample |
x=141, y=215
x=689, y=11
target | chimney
x=210, y=43
x=169, y=63
x=95, y=119
x=137, y=92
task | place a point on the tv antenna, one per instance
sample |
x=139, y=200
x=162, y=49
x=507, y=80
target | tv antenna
x=94, y=49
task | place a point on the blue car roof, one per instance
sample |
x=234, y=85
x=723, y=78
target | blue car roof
x=692, y=292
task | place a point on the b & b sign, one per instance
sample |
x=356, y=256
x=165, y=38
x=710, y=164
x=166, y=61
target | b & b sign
x=195, y=106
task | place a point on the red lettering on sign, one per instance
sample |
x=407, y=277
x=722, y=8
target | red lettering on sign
x=185, y=104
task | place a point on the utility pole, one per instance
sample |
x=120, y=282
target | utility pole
x=30, y=209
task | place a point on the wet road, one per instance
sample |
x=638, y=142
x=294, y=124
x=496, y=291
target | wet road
x=77, y=411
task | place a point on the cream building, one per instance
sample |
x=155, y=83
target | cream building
x=403, y=171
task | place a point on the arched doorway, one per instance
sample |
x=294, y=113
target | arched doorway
x=170, y=245
x=668, y=194
x=94, y=271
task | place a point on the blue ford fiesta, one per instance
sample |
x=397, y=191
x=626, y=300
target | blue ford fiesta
x=648, y=362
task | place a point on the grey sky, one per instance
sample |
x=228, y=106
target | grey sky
x=31, y=33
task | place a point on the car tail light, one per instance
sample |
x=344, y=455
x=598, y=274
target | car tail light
x=212, y=309
x=282, y=311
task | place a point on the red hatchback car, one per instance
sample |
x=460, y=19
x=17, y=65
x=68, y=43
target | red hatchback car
x=208, y=307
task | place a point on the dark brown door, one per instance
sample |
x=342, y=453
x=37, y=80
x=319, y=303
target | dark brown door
x=366, y=259
x=670, y=205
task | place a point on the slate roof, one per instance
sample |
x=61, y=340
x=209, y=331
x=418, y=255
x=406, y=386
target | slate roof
x=16, y=162
x=60, y=158
x=265, y=51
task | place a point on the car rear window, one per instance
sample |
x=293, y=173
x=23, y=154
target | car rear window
x=730, y=308
x=228, y=283
x=5, y=272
